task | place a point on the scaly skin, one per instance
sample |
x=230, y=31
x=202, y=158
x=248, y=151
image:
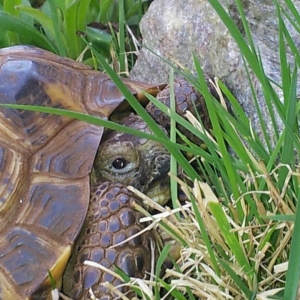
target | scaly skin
x=111, y=220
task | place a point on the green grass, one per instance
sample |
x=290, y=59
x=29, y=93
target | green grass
x=59, y=25
x=239, y=233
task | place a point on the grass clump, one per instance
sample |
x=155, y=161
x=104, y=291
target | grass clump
x=238, y=234
x=240, y=228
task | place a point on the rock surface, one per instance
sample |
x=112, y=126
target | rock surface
x=176, y=29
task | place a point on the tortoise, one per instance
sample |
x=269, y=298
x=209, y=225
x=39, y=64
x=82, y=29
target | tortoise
x=45, y=168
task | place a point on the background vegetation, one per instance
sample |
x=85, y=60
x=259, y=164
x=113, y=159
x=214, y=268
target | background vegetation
x=62, y=26
x=239, y=232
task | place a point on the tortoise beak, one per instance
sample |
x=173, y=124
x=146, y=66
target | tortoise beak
x=159, y=190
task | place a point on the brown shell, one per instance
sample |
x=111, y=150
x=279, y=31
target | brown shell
x=45, y=162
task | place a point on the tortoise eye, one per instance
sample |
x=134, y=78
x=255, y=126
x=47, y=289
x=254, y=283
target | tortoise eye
x=119, y=163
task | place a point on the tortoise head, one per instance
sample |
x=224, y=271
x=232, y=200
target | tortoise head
x=132, y=160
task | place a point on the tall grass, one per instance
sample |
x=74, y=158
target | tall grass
x=239, y=232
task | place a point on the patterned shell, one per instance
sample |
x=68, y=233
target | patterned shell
x=45, y=162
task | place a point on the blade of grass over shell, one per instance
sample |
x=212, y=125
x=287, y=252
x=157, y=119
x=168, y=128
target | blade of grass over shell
x=83, y=117
x=214, y=158
x=186, y=124
x=210, y=156
x=31, y=35
x=128, y=95
x=52, y=280
x=97, y=121
x=193, y=149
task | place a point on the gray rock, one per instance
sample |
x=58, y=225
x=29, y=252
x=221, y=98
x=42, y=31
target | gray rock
x=176, y=29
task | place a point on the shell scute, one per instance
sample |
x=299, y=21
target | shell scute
x=68, y=154
x=11, y=169
x=55, y=207
x=17, y=86
x=21, y=255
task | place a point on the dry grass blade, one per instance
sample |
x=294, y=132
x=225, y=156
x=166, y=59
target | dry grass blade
x=195, y=266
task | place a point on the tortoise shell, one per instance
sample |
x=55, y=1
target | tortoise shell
x=45, y=162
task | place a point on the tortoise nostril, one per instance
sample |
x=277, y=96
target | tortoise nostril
x=162, y=164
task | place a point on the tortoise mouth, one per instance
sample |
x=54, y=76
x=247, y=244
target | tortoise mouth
x=159, y=190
